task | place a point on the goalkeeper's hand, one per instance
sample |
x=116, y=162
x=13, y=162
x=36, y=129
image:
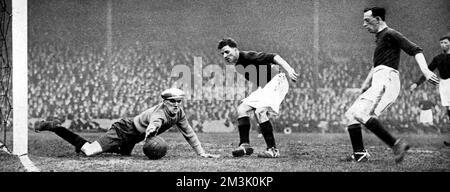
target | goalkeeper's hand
x=149, y=133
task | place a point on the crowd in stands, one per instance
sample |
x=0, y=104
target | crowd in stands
x=82, y=83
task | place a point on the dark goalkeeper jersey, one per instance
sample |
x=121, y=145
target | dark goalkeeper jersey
x=256, y=66
x=389, y=42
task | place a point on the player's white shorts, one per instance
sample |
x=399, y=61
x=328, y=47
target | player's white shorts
x=384, y=90
x=271, y=95
x=444, y=90
x=426, y=116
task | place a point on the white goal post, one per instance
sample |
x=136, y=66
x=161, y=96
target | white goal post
x=20, y=82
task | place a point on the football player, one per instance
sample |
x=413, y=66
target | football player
x=440, y=62
x=382, y=85
x=123, y=135
x=257, y=67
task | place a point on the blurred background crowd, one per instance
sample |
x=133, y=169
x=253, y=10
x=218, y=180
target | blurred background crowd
x=77, y=83
x=76, y=74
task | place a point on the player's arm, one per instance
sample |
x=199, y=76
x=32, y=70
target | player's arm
x=429, y=75
x=422, y=78
x=412, y=49
x=367, y=82
x=192, y=139
x=283, y=63
x=154, y=124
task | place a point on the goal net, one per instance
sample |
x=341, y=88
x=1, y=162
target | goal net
x=5, y=75
x=14, y=80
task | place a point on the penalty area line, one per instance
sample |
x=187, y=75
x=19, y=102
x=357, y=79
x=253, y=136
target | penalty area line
x=28, y=164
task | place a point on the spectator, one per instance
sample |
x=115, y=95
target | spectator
x=69, y=79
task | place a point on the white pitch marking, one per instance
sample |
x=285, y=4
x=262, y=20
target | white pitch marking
x=28, y=164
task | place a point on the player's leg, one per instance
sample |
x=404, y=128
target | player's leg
x=374, y=125
x=244, y=124
x=129, y=137
x=354, y=129
x=444, y=92
x=244, y=131
x=398, y=145
x=127, y=147
x=90, y=149
x=388, y=97
x=261, y=115
x=383, y=92
x=109, y=142
x=448, y=112
x=265, y=125
x=62, y=132
x=447, y=143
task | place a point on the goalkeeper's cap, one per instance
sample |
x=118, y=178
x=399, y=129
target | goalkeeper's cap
x=173, y=93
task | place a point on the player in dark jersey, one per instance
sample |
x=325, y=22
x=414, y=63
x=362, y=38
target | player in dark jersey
x=426, y=114
x=441, y=62
x=124, y=134
x=382, y=85
x=258, y=68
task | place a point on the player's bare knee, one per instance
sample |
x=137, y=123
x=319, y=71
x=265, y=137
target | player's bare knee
x=355, y=116
x=352, y=122
x=361, y=117
x=242, y=114
x=261, y=115
x=90, y=149
x=243, y=110
x=350, y=117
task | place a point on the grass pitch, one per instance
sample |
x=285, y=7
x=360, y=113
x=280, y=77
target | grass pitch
x=301, y=152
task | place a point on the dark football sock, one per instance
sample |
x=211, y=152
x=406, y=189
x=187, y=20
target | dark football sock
x=70, y=137
x=267, y=132
x=356, y=137
x=448, y=113
x=244, y=130
x=375, y=126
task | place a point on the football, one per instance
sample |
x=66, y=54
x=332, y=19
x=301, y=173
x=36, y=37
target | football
x=155, y=147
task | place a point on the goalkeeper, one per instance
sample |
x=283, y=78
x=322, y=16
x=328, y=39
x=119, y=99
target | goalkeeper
x=123, y=135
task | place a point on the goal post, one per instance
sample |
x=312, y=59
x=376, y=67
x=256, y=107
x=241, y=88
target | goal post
x=20, y=77
x=20, y=82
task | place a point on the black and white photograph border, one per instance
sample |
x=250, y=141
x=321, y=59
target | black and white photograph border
x=88, y=64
